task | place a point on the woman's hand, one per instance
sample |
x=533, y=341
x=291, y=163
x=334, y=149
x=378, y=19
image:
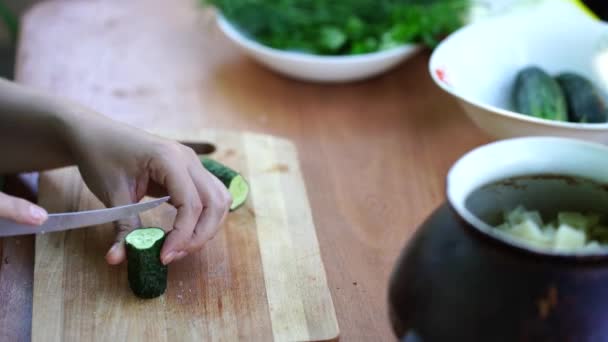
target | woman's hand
x=121, y=165
x=21, y=211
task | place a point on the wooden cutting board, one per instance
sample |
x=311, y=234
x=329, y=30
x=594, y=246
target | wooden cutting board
x=260, y=279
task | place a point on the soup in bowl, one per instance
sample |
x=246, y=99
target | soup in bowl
x=516, y=252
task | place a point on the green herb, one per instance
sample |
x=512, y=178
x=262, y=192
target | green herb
x=10, y=20
x=342, y=27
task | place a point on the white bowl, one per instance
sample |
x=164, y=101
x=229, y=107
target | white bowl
x=309, y=67
x=478, y=63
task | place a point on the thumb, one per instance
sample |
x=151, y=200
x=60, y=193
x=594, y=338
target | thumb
x=21, y=211
x=121, y=196
x=117, y=253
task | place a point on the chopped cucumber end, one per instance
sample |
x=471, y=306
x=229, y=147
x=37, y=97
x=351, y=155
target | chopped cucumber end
x=239, y=190
x=147, y=274
x=144, y=238
x=234, y=182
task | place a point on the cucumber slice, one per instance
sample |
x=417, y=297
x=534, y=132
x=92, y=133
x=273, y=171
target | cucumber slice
x=573, y=219
x=147, y=274
x=570, y=231
x=234, y=182
x=568, y=239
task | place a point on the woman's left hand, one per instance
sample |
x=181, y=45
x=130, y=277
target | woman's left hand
x=121, y=165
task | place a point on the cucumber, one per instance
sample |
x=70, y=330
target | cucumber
x=537, y=94
x=147, y=274
x=575, y=230
x=577, y=220
x=584, y=101
x=599, y=233
x=569, y=239
x=234, y=182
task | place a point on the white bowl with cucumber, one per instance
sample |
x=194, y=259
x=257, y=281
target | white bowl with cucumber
x=539, y=70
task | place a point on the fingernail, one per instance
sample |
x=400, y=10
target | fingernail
x=37, y=213
x=180, y=255
x=169, y=257
x=114, y=248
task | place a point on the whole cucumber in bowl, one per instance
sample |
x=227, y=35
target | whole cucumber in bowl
x=584, y=101
x=537, y=94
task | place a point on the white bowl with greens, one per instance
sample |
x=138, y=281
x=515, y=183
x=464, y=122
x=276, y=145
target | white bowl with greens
x=309, y=67
x=334, y=41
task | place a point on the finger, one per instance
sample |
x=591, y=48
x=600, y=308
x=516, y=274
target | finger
x=156, y=190
x=118, y=253
x=21, y=211
x=121, y=194
x=216, y=200
x=186, y=200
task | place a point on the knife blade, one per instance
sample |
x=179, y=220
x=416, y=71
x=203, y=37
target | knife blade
x=79, y=219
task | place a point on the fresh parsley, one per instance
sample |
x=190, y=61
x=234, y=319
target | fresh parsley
x=344, y=27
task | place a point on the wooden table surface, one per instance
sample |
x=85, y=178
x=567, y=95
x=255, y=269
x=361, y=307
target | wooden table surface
x=374, y=154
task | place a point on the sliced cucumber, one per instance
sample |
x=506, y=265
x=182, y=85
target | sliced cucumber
x=234, y=182
x=577, y=220
x=147, y=274
x=569, y=239
x=570, y=231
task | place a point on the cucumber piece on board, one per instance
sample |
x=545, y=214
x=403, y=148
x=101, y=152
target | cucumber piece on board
x=147, y=274
x=537, y=94
x=234, y=182
x=585, y=101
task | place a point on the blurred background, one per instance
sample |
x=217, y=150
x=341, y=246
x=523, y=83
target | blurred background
x=10, y=10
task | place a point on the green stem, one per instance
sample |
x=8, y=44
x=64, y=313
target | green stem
x=10, y=20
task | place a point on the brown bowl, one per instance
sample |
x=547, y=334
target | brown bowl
x=457, y=280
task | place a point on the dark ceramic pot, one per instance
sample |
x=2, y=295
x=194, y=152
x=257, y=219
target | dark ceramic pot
x=457, y=280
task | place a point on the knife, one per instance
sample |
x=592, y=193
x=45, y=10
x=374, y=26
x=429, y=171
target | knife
x=79, y=219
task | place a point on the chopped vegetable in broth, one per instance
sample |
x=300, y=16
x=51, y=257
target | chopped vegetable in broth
x=569, y=232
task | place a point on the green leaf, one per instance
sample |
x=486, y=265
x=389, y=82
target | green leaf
x=10, y=19
x=355, y=27
x=367, y=45
x=332, y=38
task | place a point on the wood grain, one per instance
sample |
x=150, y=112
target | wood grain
x=261, y=278
x=374, y=154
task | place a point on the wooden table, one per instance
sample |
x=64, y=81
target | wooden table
x=374, y=154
